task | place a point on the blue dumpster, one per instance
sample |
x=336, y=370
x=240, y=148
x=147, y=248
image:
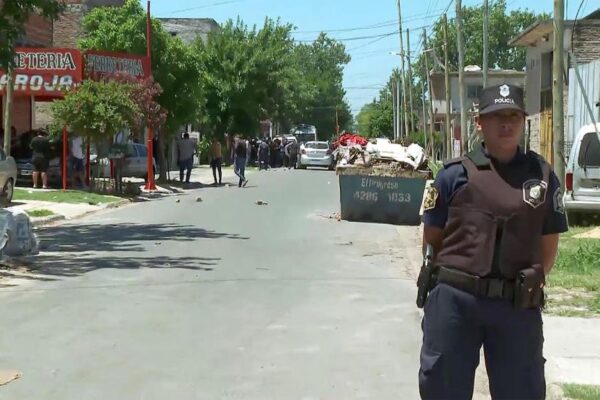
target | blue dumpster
x=382, y=199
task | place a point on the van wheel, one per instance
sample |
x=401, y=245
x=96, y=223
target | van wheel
x=7, y=193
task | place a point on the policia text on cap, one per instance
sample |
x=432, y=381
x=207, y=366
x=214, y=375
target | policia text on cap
x=492, y=221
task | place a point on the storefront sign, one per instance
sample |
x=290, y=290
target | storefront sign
x=45, y=72
x=100, y=64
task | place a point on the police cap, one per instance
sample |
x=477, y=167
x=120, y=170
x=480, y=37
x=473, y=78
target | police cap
x=502, y=97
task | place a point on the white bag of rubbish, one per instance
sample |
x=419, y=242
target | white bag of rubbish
x=16, y=233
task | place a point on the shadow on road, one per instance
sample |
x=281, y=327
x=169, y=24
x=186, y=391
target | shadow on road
x=68, y=250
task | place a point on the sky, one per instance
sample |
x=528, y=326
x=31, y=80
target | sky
x=364, y=22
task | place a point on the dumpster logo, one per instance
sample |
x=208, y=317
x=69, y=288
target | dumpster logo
x=534, y=192
x=431, y=196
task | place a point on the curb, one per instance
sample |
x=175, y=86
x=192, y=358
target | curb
x=41, y=221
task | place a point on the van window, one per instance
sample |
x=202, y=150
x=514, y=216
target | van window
x=589, y=152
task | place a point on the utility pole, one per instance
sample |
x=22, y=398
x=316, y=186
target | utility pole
x=486, y=41
x=395, y=121
x=449, y=136
x=423, y=98
x=410, y=84
x=398, y=107
x=8, y=107
x=404, y=91
x=430, y=90
x=464, y=135
x=557, y=91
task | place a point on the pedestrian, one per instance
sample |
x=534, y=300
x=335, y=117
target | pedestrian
x=185, y=157
x=291, y=151
x=240, y=161
x=263, y=155
x=493, y=218
x=216, y=152
x=40, y=145
x=77, y=161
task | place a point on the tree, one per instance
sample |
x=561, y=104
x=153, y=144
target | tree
x=174, y=65
x=503, y=27
x=96, y=110
x=321, y=64
x=249, y=75
x=13, y=16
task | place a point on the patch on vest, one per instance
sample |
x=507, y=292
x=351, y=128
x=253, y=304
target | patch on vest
x=430, y=200
x=559, y=201
x=534, y=192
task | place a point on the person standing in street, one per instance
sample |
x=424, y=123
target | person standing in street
x=40, y=145
x=240, y=161
x=263, y=155
x=77, y=162
x=216, y=153
x=185, y=157
x=492, y=219
x=291, y=151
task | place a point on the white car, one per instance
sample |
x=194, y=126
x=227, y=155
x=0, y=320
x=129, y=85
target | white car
x=8, y=178
x=135, y=163
x=582, y=175
x=315, y=154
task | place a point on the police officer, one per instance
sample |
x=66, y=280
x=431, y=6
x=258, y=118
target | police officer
x=493, y=218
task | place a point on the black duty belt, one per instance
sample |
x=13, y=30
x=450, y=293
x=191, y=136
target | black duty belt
x=495, y=288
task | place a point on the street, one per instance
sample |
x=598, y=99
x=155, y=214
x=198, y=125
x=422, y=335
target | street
x=218, y=299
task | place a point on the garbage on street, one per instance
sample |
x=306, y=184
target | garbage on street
x=380, y=181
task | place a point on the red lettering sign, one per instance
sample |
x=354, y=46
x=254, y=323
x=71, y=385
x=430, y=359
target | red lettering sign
x=45, y=72
x=100, y=64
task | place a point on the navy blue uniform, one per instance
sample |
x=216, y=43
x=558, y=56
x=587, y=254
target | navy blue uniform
x=457, y=324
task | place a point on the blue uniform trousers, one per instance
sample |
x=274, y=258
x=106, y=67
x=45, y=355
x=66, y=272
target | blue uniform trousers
x=455, y=326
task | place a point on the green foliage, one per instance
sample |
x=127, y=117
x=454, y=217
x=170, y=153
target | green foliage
x=13, y=16
x=581, y=392
x=97, y=110
x=40, y=212
x=503, y=27
x=320, y=65
x=174, y=66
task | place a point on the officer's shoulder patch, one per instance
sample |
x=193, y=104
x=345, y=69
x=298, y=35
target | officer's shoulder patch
x=558, y=200
x=534, y=192
x=453, y=161
x=430, y=198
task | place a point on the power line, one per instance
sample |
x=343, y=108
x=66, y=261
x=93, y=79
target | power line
x=355, y=38
x=220, y=3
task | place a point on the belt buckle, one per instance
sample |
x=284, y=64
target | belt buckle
x=495, y=288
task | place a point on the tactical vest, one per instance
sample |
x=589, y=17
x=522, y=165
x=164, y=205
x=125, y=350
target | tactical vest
x=495, y=220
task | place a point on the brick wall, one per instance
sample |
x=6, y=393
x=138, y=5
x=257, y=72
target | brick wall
x=586, y=42
x=67, y=29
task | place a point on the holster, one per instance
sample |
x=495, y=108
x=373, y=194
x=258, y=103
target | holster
x=529, y=288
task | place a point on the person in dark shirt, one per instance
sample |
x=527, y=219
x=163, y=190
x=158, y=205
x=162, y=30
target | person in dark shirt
x=40, y=145
x=241, y=151
x=493, y=219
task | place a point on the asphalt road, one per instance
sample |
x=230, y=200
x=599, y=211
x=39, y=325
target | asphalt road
x=218, y=299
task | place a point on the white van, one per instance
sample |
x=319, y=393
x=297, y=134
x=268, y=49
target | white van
x=582, y=175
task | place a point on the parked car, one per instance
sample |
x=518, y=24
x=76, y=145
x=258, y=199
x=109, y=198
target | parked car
x=315, y=154
x=135, y=163
x=582, y=175
x=22, y=154
x=8, y=178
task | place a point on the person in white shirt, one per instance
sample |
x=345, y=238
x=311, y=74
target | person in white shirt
x=77, y=161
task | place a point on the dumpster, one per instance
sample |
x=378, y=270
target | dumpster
x=396, y=200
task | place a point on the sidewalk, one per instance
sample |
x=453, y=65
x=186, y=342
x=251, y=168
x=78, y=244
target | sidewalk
x=201, y=177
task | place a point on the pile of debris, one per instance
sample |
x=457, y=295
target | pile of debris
x=356, y=155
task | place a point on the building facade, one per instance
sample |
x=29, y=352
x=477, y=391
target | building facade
x=190, y=29
x=582, y=46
